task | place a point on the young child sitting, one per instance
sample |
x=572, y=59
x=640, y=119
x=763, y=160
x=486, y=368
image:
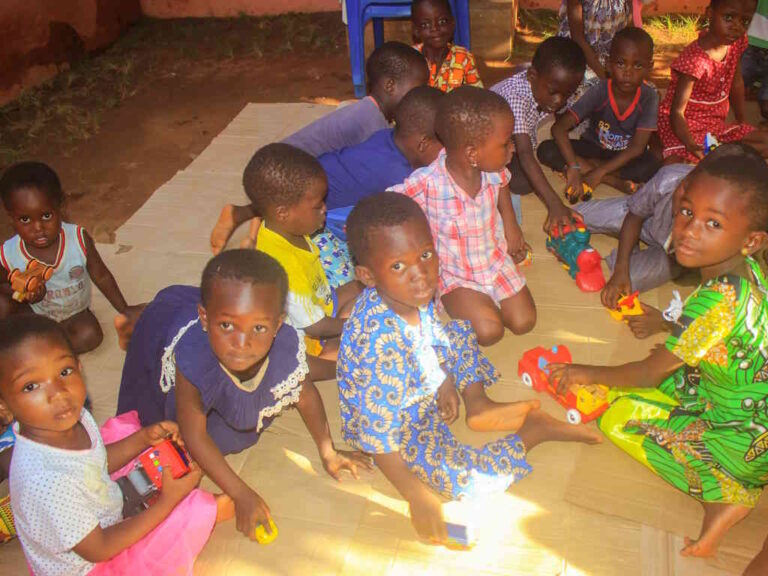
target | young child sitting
x=693, y=410
x=622, y=114
x=220, y=360
x=401, y=371
x=288, y=187
x=393, y=69
x=67, y=509
x=450, y=66
x=533, y=94
x=33, y=198
x=465, y=197
x=705, y=77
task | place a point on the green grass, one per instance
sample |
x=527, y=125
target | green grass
x=674, y=29
x=68, y=108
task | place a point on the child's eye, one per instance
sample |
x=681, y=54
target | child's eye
x=66, y=371
x=31, y=387
x=713, y=224
x=24, y=219
x=226, y=326
x=259, y=329
x=443, y=21
x=47, y=215
x=397, y=266
x=728, y=18
x=686, y=212
x=425, y=25
x=426, y=255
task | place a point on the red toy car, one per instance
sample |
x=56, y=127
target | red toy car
x=166, y=454
x=582, y=403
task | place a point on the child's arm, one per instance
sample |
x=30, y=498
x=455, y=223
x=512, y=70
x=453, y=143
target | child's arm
x=558, y=213
x=326, y=328
x=737, y=94
x=250, y=508
x=123, y=451
x=560, y=129
x=647, y=373
x=677, y=114
x=576, y=25
x=512, y=231
x=426, y=508
x=637, y=145
x=619, y=283
x=104, y=543
x=102, y=277
x=310, y=406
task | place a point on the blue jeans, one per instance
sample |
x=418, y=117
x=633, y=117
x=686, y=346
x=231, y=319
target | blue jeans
x=754, y=69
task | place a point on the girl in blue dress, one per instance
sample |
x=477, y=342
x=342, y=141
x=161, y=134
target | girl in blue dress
x=221, y=362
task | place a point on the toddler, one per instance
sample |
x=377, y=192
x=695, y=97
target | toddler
x=32, y=196
x=401, y=372
x=393, y=69
x=67, y=509
x=705, y=77
x=220, y=360
x=621, y=113
x=533, y=94
x=450, y=66
x=465, y=196
x=693, y=410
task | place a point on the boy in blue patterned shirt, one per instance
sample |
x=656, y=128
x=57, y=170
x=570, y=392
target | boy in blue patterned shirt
x=401, y=372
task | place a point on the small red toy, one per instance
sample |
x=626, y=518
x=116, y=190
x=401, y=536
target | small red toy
x=24, y=282
x=572, y=248
x=628, y=306
x=167, y=454
x=582, y=403
x=573, y=196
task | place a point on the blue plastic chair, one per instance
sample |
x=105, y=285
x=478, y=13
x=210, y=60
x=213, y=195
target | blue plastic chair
x=359, y=12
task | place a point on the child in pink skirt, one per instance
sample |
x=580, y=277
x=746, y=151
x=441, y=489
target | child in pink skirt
x=67, y=508
x=706, y=79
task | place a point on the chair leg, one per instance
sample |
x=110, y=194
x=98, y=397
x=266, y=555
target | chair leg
x=356, y=47
x=461, y=14
x=378, y=31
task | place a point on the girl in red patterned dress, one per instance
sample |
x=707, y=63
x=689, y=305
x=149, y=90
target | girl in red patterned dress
x=705, y=76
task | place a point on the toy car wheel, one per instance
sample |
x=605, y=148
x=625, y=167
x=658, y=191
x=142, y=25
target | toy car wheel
x=527, y=380
x=573, y=416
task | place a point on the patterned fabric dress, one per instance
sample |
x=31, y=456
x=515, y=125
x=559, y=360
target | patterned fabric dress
x=705, y=428
x=457, y=69
x=708, y=105
x=602, y=19
x=388, y=375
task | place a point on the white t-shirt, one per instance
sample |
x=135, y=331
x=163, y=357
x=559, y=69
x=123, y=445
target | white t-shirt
x=58, y=497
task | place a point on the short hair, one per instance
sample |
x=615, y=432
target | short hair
x=416, y=112
x=382, y=210
x=35, y=175
x=394, y=60
x=633, y=34
x=249, y=266
x=279, y=175
x=466, y=115
x=742, y=165
x=559, y=52
x=445, y=3
x=19, y=328
x=718, y=3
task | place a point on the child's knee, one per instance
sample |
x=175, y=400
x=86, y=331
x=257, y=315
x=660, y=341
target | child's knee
x=85, y=334
x=488, y=331
x=522, y=323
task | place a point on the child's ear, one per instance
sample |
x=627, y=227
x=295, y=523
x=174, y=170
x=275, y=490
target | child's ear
x=365, y=275
x=281, y=213
x=389, y=85
x=755, y=241
x=470, y=153
x=203, y=315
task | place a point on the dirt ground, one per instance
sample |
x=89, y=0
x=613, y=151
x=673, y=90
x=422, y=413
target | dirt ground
x=118, y=126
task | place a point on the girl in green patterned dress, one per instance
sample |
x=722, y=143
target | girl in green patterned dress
x=695, y=411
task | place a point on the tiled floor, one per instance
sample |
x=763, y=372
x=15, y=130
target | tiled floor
x=584, y=511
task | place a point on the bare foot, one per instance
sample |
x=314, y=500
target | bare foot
x=499, y=416
x=718, y=519
x=225, y=508
x=223, y=229
x=541, y=427
x=125, y=323
x=649, y=323
x=625, y=186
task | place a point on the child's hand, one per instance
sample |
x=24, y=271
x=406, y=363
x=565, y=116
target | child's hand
x=174, y=490
x=573, y=179
x=156, y=433
x=250, y=511
x=427, y=518
x=618, y=285
x=346, y=460
x=695, y=149
x=567, y=375
x=593, y=178
x=37, y=294
x=448, y=401
x=559, y=216
x=651, y=322
x=516, y=244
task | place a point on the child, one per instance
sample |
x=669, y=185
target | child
x=754, y=61
x=705, y=76
x=450, y=66
x=693, y=411
x=67, y=509
x=592, y=24
x=288, y=187
x=465, y=197
x=393, y=69
x=220, y=360
x=622, y=114
x=400, y=369
x=33, y=198
x=534, y=94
